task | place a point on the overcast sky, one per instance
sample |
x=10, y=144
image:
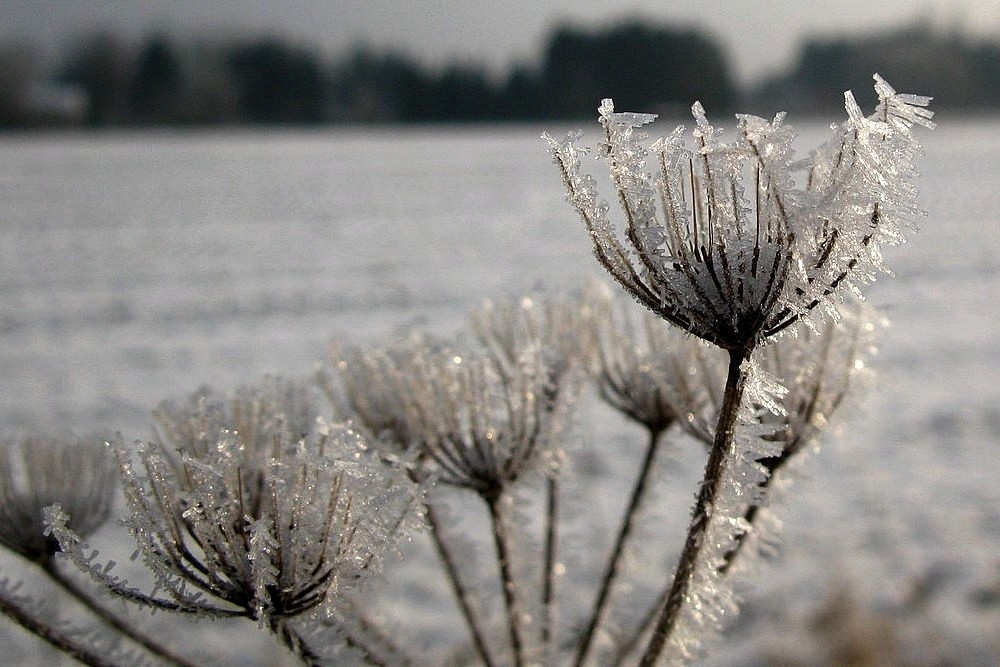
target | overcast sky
x=760, y=36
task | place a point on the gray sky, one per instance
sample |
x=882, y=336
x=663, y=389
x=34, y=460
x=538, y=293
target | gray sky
x=761, y=36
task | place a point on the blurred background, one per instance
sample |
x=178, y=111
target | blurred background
x=101, y=63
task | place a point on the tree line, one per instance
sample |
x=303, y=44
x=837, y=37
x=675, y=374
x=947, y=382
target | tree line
x=961, y=72
x=164, y=80
x=266, y=80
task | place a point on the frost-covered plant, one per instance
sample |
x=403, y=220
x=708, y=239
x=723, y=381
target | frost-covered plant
x=735, y=242
x=369, y=386
x=268, y=528
x=476, y=420
x=563, y=332
x=649, y=372
x=38, y=471
x=483, y=431
x=80, y=475
x=820, y=368
x=720, y=238
x=655, y=376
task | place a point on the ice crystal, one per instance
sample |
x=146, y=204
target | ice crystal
x=722, y=240
x=36, y=472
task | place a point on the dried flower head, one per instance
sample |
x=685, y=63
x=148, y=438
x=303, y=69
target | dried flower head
x=721, y=240
x=480, y=429
x=368, y=386
x=563, y=329
x=36, y=472
x=266, y=527
x=650, y=372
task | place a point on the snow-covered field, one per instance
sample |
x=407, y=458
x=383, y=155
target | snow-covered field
x=137, y=267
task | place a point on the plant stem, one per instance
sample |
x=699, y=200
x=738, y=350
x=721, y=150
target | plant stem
x=549, y=583
x=719, y=458
x=110, y=618
x=506, y=576
x=461, y=595
x=49, y=634
x=624, y=531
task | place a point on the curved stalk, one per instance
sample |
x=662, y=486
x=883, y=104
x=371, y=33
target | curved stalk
x=719, y=458
x=618, y=550
x=110, y=618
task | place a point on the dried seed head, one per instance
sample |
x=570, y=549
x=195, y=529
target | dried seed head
x=38, y=471
x=480, y=429
x=263, y=522
x=650, y=372
x=722, y=241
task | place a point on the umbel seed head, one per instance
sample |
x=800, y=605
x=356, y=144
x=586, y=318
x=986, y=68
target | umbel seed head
x=736, y=241
x=36, y=472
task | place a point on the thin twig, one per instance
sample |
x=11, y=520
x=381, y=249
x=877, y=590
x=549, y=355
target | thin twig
x=625, y=530
x=461, y=595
